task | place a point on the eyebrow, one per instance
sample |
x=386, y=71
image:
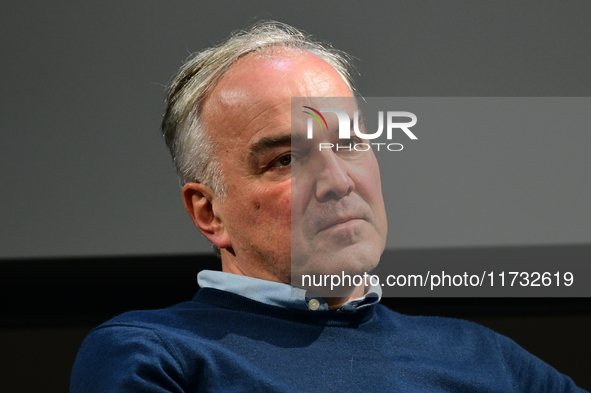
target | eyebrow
x=269, y=143
x=266, y=144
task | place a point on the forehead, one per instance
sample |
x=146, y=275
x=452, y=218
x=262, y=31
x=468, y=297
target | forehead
x=255, y=94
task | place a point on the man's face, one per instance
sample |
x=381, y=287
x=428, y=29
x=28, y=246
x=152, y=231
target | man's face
x=338, y=218
x=338, y=221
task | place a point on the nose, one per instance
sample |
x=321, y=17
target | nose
x=333, y=180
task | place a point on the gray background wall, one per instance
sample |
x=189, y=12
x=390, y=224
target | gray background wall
x=83, y=170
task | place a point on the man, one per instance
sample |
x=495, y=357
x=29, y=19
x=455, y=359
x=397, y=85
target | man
x=273, y=204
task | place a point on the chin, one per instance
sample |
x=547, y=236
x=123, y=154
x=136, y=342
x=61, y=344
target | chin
x=358, y=259
x=355, y=259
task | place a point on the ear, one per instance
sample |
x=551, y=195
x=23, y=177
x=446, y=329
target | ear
x=199, y=202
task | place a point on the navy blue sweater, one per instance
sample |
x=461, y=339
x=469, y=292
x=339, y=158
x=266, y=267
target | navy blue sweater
x=222, y=342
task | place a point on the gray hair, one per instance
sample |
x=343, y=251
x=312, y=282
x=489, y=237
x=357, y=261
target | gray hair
x=190, y=146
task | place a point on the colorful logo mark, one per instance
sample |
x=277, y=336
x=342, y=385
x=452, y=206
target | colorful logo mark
x=317, y=116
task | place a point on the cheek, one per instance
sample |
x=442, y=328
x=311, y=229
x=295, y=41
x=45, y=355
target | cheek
x=367, y=180
x=375, y=188
x=272, y=206
x=282, y=205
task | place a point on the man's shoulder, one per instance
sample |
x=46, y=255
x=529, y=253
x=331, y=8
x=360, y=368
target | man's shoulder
x=452, y=335
x=434, y=326
x=182, y=319
x=474, y=347
x=145, y=348
x=173, y=316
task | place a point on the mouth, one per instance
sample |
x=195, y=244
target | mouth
x=342, y=222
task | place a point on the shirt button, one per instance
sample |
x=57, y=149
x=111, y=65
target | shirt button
x=313, y=304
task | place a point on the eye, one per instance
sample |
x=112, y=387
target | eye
x=283, y=161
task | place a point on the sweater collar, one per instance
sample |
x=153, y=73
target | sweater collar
x=278, y=294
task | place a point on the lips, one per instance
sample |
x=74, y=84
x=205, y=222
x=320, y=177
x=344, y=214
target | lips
x=337, y=221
